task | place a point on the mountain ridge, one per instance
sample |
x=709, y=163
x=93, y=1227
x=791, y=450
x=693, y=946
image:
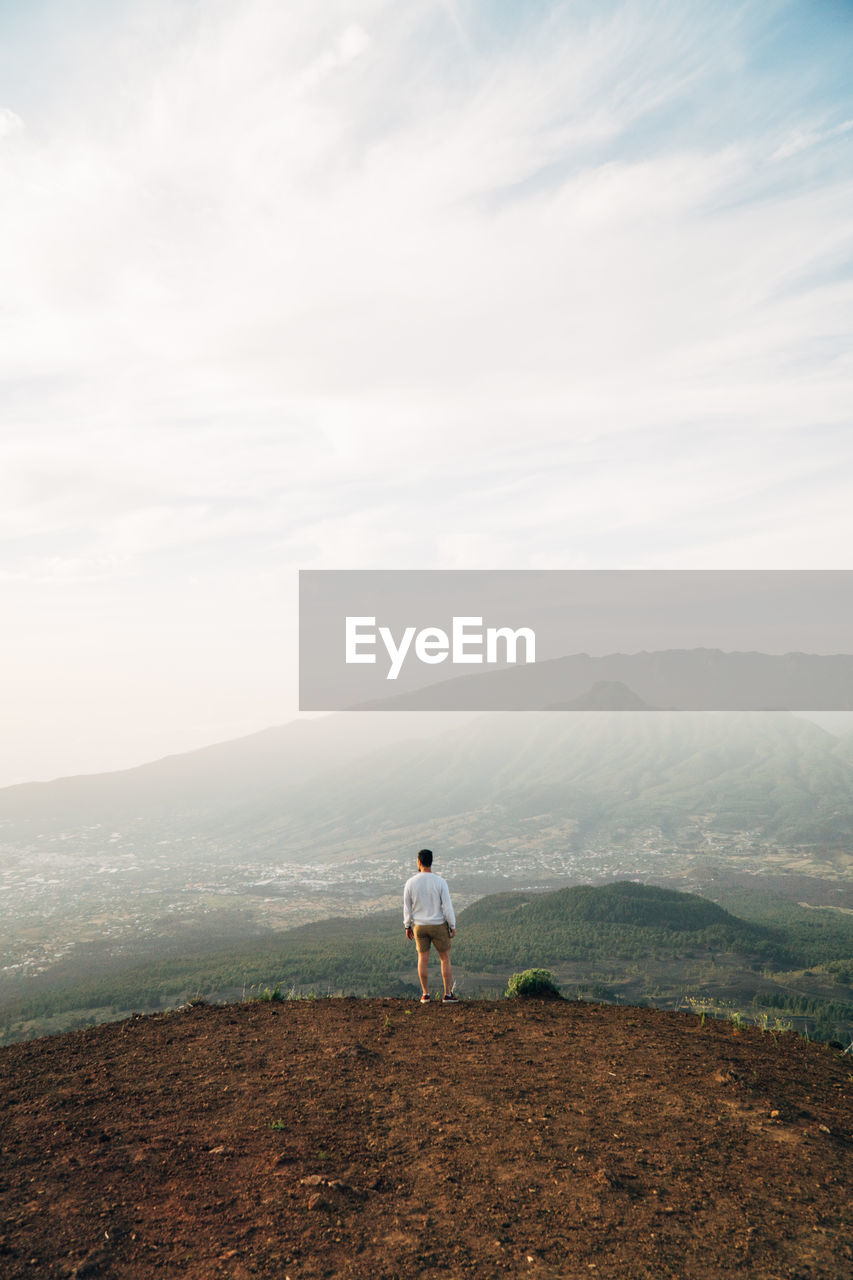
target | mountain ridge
x=699, y=679
x=324, y=786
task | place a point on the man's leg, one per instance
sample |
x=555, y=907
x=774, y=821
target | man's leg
x=423, y=970
x=446, y=971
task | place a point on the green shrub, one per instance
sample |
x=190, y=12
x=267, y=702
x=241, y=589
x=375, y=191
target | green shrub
x=534, y=983
x=267, y=995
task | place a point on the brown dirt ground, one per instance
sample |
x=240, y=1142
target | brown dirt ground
x=379, y=1138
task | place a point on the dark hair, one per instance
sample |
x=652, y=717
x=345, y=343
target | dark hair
x=425, y=857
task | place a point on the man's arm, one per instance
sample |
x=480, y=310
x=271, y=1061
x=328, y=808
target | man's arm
x=408, y=917
x=447, y=906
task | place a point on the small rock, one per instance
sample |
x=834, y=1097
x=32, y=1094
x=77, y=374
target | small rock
x=317, y=1202
x=313, y=1180
x=346, y=1187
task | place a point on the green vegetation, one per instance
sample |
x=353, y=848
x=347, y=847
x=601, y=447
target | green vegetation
x=269, y=995
x=533, y=984
x=624, y=941
x=624, y=920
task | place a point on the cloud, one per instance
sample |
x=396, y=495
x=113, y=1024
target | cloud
x=261, y=239
x=368, y=284
x=10, y=123
x=804, y=140
x=350, y=44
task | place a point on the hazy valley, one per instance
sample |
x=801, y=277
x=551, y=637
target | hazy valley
x=220, y=851
x=322, y=818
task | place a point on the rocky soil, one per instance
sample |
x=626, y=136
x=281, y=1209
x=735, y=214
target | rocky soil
x=381, y=1138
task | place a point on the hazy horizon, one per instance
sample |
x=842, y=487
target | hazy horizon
x=412, y=726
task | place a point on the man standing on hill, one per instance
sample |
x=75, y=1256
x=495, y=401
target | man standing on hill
x=429, y=918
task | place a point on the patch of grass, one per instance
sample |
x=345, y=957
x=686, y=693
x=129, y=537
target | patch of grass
x=775, y=1026
x=267, y=995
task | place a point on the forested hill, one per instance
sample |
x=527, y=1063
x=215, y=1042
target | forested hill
x=624, y=902
x=624, y=918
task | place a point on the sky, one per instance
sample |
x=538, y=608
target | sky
x=360, y=284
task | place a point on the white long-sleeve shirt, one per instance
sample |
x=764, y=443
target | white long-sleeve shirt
x=426, y=900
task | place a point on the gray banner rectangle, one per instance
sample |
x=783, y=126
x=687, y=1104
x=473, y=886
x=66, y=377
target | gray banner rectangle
x=576, y=640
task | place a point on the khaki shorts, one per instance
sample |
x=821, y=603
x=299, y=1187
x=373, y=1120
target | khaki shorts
x=437, y=934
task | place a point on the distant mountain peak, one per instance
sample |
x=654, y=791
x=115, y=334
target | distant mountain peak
x=604, y=695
